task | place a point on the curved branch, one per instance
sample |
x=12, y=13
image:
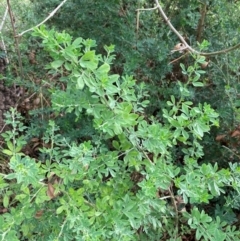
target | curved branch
x=185, y=43
x=45, y=20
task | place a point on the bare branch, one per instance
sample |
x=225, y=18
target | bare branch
x=4, y=18
x=138, y=13
x=176, y=209
x=2, y=41
x=183, y=40
x=173, y=29
x=45, y=20
x=146, y=9
x=16, y=39
x=178, y=58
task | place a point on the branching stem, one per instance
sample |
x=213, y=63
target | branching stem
x=164, y=16
x=45, y=20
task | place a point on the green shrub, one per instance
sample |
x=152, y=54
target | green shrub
x=123, y=179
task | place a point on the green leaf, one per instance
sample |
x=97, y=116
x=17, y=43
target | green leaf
x=198, y=130
x=184, y=71
x=60, y=209
x=12, y=235
x=89, y=60
x=103, y=69
x=117, y=128
x=116, y=144
x=68, y=66
x=11, y=176
x=198, y=84
x=56, y=64
x=5, y=201
x=219, y=235
x=7, y=152
x=25, y=229
x=10, y=146
x=77, y=42
x=185, y=134
x=198, y=234
x=185, y=108
x=196, y=78
x=18, y=148
x=173, y=99
x=109, y=48
x=80, y=83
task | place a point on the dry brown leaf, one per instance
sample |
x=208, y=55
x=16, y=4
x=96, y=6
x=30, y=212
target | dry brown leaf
x=36, y=101
x=32, y=57
x=205, y=64
x=50, y=191
x=235, y=133
x=39, y=214
x=180, y=47
x=3, y=210
x=35, y=139
x=220, y=137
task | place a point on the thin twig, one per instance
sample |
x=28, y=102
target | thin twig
x=166, y=197
x=138, y=13
x=139, y=147
x=45, y=20
x=178, y=58
x=61, y=231
x=4, y=18
x=2, y=41
x=179, y=50
x=176, y=209
x=3, y=46
x=183, y=40
x=173, y=29
x=16, y=39
x=146, y=9
x=232, y=152
x=3, y=128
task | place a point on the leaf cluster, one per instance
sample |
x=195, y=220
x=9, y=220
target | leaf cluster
x=124, y=182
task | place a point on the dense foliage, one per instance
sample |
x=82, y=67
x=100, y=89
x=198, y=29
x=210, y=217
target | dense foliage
x=117, y=137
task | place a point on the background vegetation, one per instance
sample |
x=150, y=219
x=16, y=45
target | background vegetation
x=115, y=136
